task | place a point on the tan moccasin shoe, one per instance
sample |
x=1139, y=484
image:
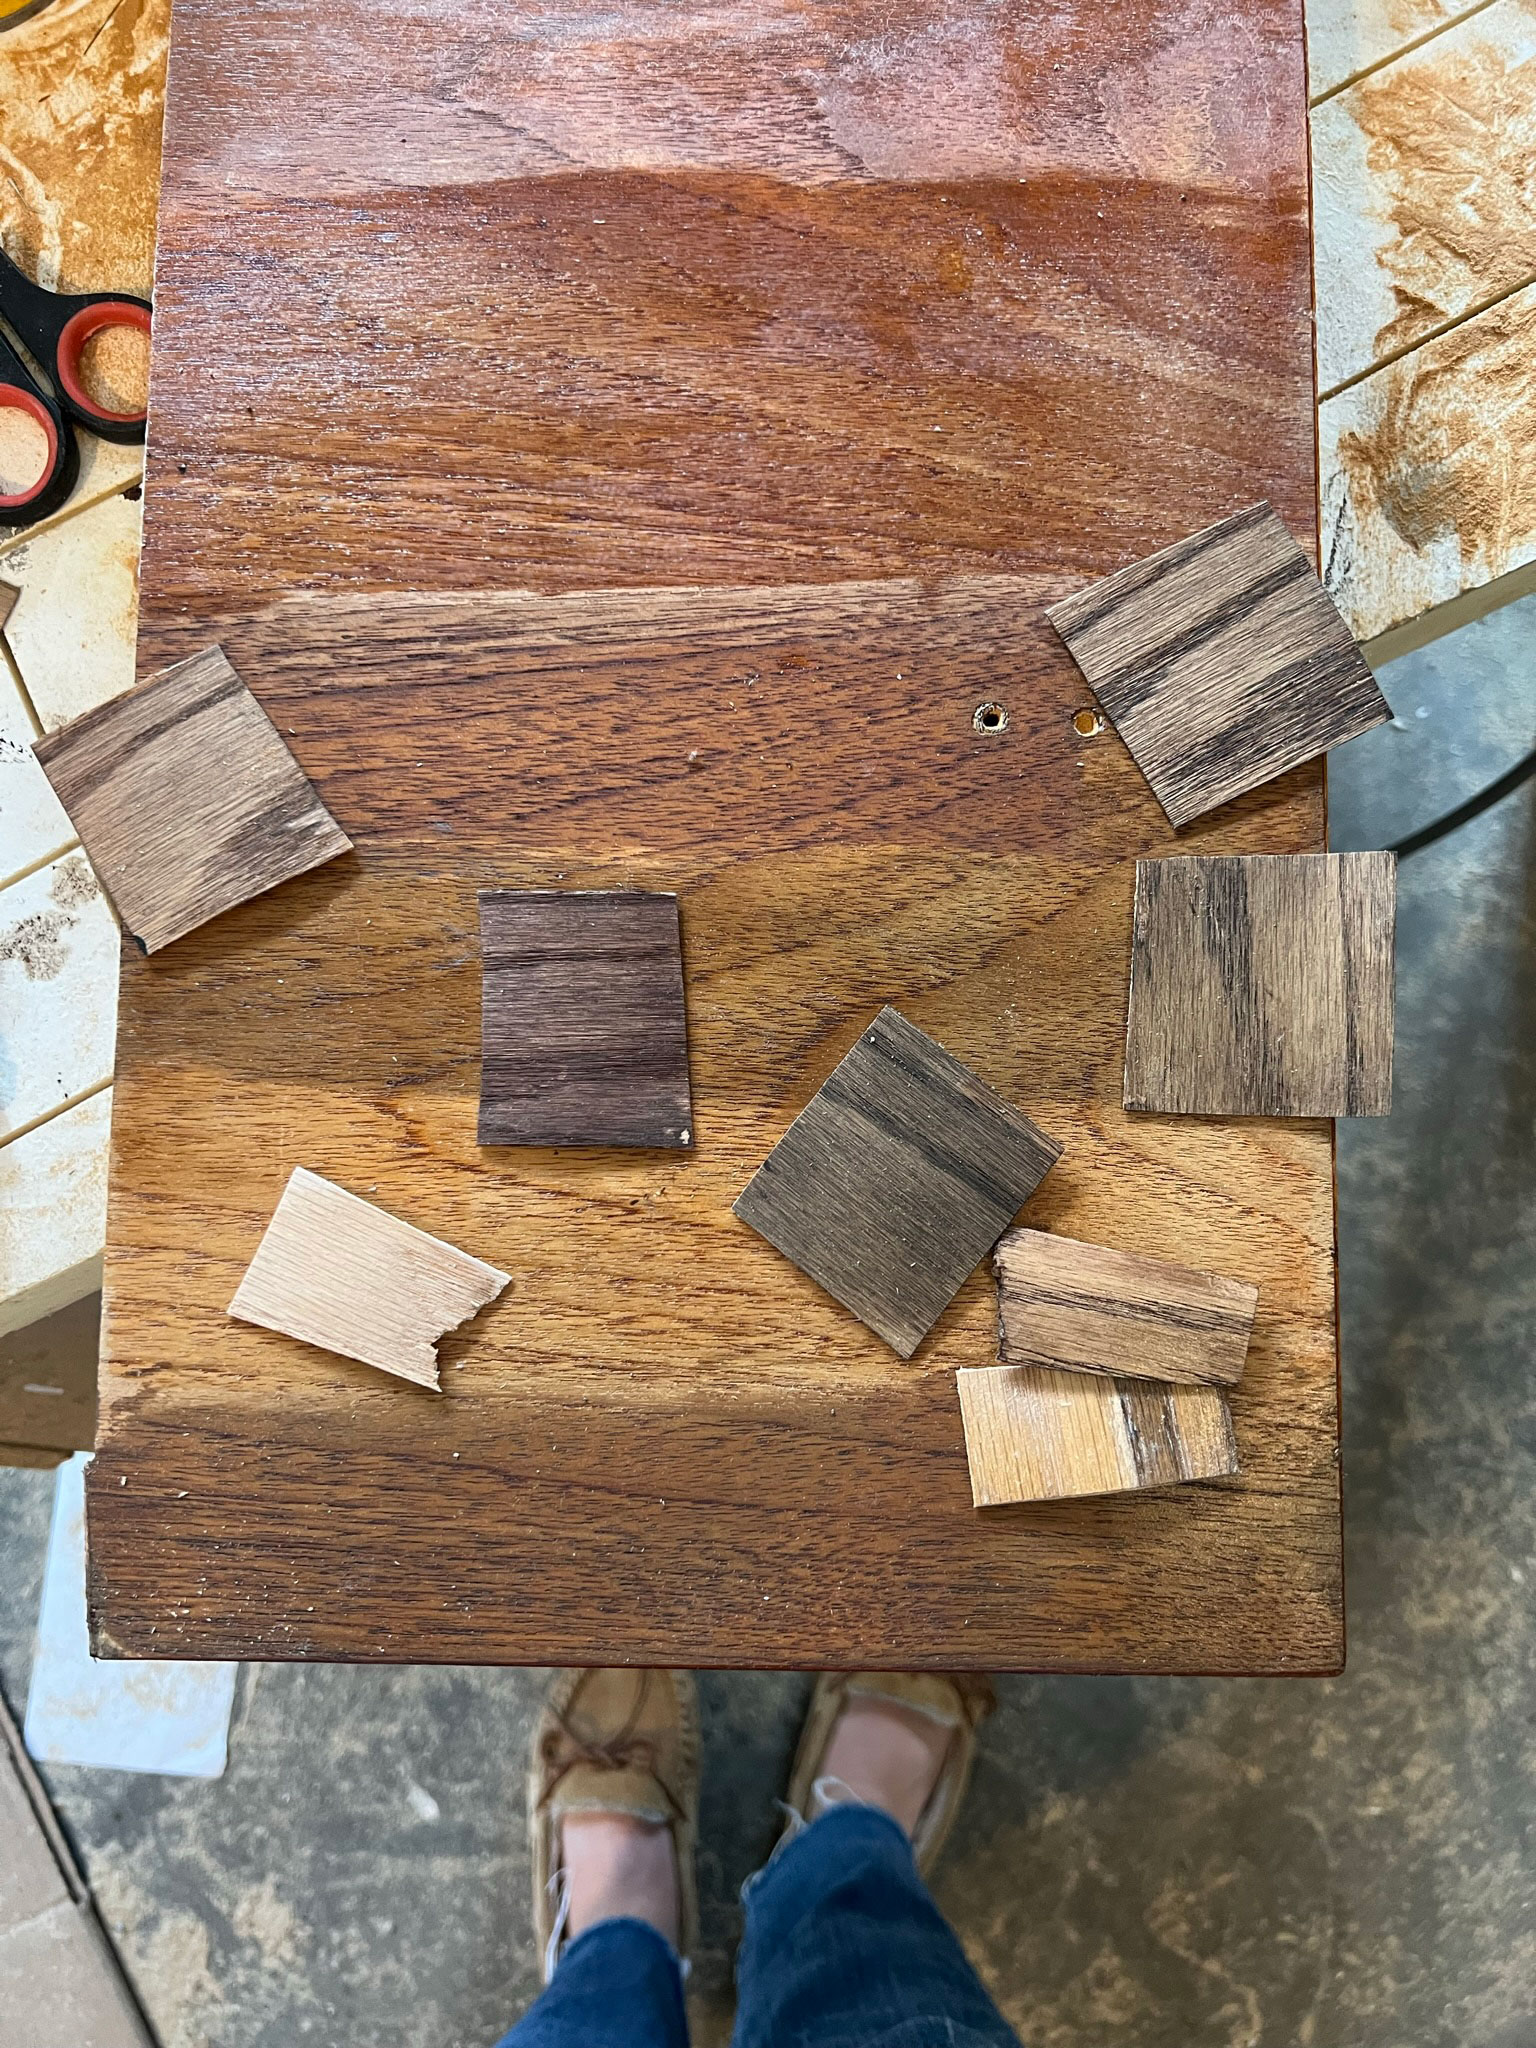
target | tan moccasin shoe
x=613, y=1741
x=957, y=1700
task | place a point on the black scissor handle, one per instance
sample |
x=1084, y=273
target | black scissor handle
x=56, y=327
x=19, y=393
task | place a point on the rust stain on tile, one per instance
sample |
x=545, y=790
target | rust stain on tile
x=83, y=89
x=1451, y=140
x=1444, y=455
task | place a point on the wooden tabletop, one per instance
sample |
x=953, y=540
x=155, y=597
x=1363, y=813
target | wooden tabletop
x=626, y=453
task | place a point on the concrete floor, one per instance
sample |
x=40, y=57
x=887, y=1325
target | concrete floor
x=1297, y=1864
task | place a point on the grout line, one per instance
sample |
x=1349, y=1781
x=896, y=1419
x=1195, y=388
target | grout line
x=18, y=536
x=1431, y=334
x=14, y=667
x=31, y=868
x=48, y=1115
x=1402, y=50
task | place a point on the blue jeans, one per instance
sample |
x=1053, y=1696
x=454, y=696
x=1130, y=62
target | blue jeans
x=843, y=1948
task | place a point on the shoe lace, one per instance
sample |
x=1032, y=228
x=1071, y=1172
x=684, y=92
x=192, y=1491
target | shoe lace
x=617, y=1752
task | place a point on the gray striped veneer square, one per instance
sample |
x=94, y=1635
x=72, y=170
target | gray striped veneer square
x=1221, y=662
x=897, y=1179
x=1262, y=985
x=187, y=799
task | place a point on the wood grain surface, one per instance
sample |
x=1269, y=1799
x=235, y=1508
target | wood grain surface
x=334, y=1270
x=1222, y=661
x=935, y=298
x=1263, y=987
x=187, y=799
x=896, y=1179
x=1033, y=1435
x=583, y=1027
x=1089, y=1308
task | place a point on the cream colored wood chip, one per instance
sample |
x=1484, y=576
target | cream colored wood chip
x=336, y=1271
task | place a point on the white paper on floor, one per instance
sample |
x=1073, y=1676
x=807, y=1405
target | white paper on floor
x=123, y=1715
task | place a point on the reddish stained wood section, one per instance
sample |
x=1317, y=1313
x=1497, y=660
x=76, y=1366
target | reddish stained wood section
x=847, y=297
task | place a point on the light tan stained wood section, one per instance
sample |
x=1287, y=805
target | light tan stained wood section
x=187, y=799
x=843, y=319
x=1263, y=987
x=668, y=1435
x=1089, y=1308
x=1222, y=662
x=1032, y=1435
x=334, y=1270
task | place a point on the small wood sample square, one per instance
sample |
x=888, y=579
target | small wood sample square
x=1089, y=1309
x=1262, y=985
x=896, y=1179
x=187, y=799
x=583, y=1025
x=1036, y=1435
x=337, y=1271
x=1221, y=661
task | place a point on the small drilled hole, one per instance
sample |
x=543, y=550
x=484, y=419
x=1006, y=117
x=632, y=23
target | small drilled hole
x=1087, y=723
x=989, y=718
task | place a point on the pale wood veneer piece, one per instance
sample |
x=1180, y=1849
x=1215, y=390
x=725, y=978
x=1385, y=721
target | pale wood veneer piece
x=1087, y=1308
x=187, y=799
x=1262, y=985
x=583, y=1023
x=897, y=1177
x=1034, y=1435
x=336, y=1271
x=1221, y=661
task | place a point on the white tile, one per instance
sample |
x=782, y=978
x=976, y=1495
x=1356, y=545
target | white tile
x=120, y=1714
x=58, y=990
x=53, y=1212
x=1421, y=190
x=32, y=822
x=1425, y=498
x=1345, y=37
x=74, y=627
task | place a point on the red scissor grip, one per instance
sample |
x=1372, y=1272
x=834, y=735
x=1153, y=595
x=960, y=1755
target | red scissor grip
x=78, y=330
x=14, y=399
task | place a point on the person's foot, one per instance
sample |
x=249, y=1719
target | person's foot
x=619, y=1867
x=900, y=1741
x=887, y=1756
x=613, y=1802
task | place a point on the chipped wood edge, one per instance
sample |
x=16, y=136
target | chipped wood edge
x=418, y=1362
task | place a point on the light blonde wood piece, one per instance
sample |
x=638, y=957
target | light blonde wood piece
x=1037, y=1435
x=1090, y=1309
x=337, y=1271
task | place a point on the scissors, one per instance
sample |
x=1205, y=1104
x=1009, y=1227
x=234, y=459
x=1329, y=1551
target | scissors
x=55, y=327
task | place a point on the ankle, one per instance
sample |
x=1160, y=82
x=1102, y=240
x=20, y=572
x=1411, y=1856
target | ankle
x=887, y=1756
x=619, y=1867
